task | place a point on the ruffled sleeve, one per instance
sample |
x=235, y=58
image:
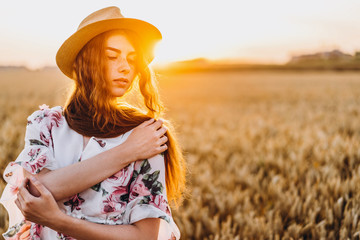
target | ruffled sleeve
x=147, y=197
x=37, y=154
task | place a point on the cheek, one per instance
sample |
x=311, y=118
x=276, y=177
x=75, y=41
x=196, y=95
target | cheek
x=133, y=71
x=110, y=70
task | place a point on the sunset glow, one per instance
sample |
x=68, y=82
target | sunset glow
x=255, y=31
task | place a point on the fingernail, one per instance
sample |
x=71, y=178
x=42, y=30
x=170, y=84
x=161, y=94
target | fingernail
x=33, y=179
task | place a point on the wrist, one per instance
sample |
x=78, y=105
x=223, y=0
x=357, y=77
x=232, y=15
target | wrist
x=58, y=221
x=123, y=154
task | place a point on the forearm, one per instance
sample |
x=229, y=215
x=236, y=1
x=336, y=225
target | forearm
x=75, y=178
x=84, y=230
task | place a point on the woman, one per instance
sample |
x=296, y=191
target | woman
x=95, y=169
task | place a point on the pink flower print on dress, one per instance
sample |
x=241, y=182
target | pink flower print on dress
x=23, y=232
x=118, y=193
x=75, y=202
x=35, y=231
x=111, y=204
x=36, y=166
x=160, y=202
x=55, y=118
x=100, y=142
x=121, y=178
x=64, y=237
x=44, y=139
x=39, y=118
x=138, y=188
x=34, y=152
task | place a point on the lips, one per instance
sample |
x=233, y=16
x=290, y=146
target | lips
x=120, y=80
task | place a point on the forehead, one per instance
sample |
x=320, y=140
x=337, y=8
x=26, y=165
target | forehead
x=120, y=41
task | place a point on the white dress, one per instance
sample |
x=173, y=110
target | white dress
x=136, y=192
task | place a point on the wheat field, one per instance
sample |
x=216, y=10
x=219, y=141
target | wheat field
x=271, y=155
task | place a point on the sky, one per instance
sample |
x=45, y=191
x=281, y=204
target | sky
x=249, y=31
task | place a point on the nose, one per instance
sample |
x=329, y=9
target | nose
x=123, y=66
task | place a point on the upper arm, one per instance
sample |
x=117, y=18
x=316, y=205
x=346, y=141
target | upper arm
x=149, y=185
x=148, y=205
x=148, y=227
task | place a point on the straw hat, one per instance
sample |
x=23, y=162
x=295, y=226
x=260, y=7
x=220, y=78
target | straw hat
x=103, y=20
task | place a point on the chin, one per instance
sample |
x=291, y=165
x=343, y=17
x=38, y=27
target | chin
x=118, y=92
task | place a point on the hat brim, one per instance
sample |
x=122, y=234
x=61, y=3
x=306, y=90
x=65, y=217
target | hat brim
x=68, y=51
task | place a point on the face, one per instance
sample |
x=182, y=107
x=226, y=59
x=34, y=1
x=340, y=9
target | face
x=120, y=61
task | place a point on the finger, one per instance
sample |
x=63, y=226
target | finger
x=163, y=140
x=146, y=123
x=39, y=186
x=161, y=131
x=156, y=125
x=24, y=183
x=19, y=201
x=23, y=189
x=163, y=148
x=18, y=204
x=20, y=198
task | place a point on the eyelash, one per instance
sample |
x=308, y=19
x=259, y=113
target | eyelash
x=113, y=58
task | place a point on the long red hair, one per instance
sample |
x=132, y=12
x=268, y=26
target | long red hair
x=92, y=111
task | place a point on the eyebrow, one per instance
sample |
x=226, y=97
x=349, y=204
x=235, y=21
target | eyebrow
x=118, y=51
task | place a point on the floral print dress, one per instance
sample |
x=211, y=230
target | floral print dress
x=136, y=192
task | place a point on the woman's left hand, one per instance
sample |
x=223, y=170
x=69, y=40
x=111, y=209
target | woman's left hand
x=41, y=210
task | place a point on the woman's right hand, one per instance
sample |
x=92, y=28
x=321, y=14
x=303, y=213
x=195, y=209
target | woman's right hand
x=147, y=140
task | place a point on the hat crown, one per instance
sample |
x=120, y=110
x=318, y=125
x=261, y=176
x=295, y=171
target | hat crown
x=101, y=21
x=102, y=14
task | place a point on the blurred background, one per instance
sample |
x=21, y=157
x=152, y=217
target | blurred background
x=264, y=96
